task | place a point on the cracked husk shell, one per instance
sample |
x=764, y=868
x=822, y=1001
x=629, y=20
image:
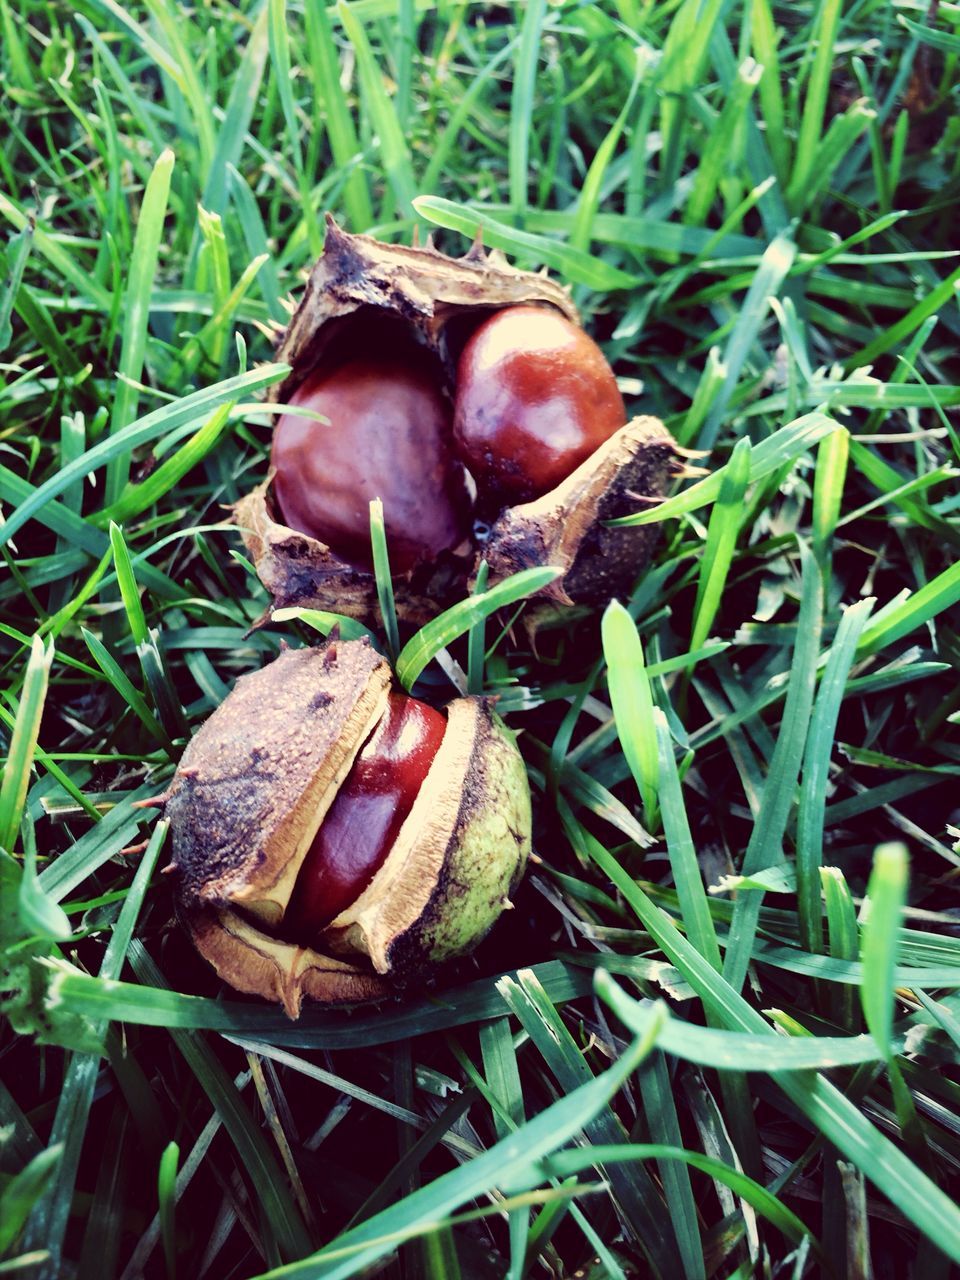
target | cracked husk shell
x=441, y=300
x=253, y=788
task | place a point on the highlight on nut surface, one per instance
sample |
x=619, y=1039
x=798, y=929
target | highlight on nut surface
x=335, y=839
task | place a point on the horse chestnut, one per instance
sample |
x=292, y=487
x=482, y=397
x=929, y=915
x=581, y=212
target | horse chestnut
x=333, y=837
x=535, y=397
x=388, y=437
x=495, y=376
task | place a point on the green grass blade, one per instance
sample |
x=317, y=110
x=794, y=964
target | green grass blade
x=166, y=1194
x=722, y=534
x=828, y=482
x=23, y=743
x=774, y=265
x=572, y=264
x=476, y=642
x=765, y=848
x=143, y=269
x=344, y=144
x=14, y=260
x=522, y=102
x=237, y=118
x=397, y=161
x=933, y=598
x=632, y=703
x=815, y=100
x=717, y=157
x=940, y=296
x=590, y=194
x=381, y=567
x=567, y=1162
x=816, y=770
x=694, y=905
x=886, y=893
x=159, y=422
x=656, y=1091
x=458, y=619
x=22, y=1192
x=129, y=590
x=766, y=459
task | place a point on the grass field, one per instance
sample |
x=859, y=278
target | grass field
x=757, y=207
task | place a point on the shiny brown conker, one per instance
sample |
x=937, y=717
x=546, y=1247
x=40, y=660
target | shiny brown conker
x=364, y=820
x=387, y=436
x=535, y=397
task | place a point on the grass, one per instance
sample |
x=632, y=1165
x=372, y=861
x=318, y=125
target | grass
x=719, y=1036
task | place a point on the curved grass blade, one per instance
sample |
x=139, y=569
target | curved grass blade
x=572, y=264
x=694, y=905
x=168, y=418
x=765, y=848
x=397, y=162
x=826, y=1108
x=778, y=450
x=23, y=1191
x=324, y=622
x=443, y=630
x=316, y=1029
x=765, y=1203
x=725, y=520
x=381, y=568
x=513, y=1165
x=731, y=1050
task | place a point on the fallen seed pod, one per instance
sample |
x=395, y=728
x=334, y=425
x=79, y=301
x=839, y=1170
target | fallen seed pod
x=465, y=395
x=335, y=839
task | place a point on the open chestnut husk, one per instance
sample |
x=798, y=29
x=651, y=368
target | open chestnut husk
x=334, y=838
x=409, y=355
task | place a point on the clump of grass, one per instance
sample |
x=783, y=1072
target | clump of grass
x=719, y=1035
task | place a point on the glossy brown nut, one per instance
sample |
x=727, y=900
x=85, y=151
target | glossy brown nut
x=388, y=437
x=365, y=818
x=535, y=397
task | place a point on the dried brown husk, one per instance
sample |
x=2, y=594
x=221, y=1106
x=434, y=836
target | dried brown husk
x=249, y=797
x=441, y=300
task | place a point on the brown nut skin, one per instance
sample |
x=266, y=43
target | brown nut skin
x=387, y=436
x=253, y=789
x=362, y=825
x=535, y=397
x=440, y=301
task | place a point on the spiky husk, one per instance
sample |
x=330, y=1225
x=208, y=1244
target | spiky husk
x=253, y=788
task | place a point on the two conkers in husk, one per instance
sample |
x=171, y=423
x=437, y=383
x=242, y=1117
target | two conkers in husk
x=465, y=395
x=333, y=836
